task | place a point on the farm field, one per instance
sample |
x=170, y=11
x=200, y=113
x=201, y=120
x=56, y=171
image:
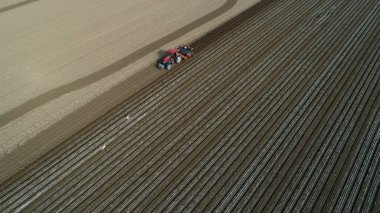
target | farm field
x=278, y=110
x=65, y=63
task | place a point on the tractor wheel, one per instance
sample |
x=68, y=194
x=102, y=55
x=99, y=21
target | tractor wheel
x=178, y=60
x=168, y=66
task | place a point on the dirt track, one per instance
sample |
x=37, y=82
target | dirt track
x=279, y=110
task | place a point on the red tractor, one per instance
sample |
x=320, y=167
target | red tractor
x=175, y=56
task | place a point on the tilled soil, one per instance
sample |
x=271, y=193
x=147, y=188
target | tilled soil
x=61, y=71
x=278, y=110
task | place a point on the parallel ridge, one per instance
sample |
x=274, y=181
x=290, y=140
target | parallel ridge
x=280, y=111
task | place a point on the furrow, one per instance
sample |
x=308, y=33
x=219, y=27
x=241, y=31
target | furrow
x=216, y=187
x=325, y=166
x=286, y=196
x=369, y=179
x=156, y=171
x=301, y=153
x=288, y=147
x=311, y=168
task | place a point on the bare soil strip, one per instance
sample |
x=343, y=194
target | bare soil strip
x=278, y=110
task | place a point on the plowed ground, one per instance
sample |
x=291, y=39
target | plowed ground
x=278, y=110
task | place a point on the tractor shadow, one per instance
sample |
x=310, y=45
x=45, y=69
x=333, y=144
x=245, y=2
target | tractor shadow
x=161, y=53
